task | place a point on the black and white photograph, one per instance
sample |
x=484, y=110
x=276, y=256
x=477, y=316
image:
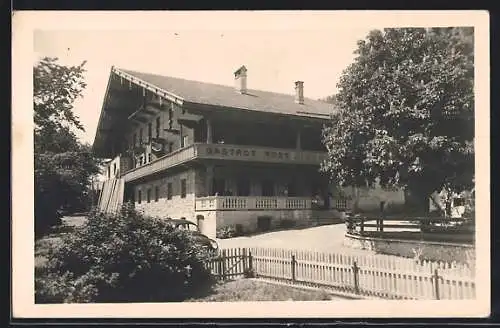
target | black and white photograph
x=322, y=164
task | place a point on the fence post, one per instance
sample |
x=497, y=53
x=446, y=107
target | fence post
x=436, y=283
x=250, y=263
x=382, y=216
x=355, y=271
x=293, y=267
x=223, y=264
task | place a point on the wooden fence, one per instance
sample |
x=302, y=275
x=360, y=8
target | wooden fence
x=368, y=275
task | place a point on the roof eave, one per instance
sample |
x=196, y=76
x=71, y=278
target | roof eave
x=149, y=86
x=103, y=106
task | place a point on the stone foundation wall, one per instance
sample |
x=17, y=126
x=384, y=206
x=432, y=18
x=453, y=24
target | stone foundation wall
x=214, y=220
x=177, y=206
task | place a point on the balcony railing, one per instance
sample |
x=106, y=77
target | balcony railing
x=170, y=160
x=237, y=203
x=226, y=152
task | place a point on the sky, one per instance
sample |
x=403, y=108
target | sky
x=274, y=57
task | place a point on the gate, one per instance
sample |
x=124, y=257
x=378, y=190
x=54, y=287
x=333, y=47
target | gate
x=231, y=263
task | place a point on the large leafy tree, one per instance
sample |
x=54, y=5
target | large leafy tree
x=63, y=166
x=406, y=114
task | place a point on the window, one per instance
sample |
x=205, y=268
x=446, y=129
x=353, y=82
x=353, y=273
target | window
x=150, y=131
x=267, y=188
x=291, y=189
x=170, y=147
x=169, y=190
x=183, y=188
x=315, y=188
x=157, y=191
x=140, y=136
x=219, y=187
x=243, y=187
x=139, y=196
x=149, y=195
x=135, y=140
x=184, y=141
x=114, y=168
x=149, y=158
x=158, y=127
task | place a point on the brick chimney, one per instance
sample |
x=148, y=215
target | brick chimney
x=240, y=79
x=299, y=92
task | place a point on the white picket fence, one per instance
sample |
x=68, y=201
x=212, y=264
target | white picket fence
x=370, y=275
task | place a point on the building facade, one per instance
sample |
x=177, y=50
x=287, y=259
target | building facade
x=216, y=155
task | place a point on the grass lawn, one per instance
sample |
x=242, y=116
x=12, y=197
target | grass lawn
x=250, y=290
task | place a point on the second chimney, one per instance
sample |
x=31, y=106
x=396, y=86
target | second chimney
x=240, y=79
x=299, y=92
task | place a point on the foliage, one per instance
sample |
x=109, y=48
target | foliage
x=406, y=114
x=55, y=88
x=62, y=182
x=63, y=166
x=226, y=232
x=330, y=99
x=124, y=257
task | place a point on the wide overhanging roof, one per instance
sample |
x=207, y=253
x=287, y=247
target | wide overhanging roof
x=126, y=90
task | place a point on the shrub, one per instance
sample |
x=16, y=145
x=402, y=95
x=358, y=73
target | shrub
x=226, y=232
x=124, y=257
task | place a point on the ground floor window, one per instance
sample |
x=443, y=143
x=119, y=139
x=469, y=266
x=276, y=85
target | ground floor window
x=139, y=196
x=157, y=191
x=169, y=190
x=149, y=195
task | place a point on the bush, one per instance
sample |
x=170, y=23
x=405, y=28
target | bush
x=226, y=232
x=125, y=257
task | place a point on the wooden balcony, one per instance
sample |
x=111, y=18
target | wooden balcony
x=259, y=154
x=241, y=203
x=226, y=152
x=165, y=162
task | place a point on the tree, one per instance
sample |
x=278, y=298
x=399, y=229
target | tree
x=330, y=99
x=63, y=166
x=406, y=115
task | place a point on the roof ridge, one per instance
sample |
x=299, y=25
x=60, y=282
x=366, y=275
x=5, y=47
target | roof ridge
x=213, y=83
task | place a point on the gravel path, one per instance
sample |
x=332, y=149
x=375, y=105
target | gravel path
x=327, y=238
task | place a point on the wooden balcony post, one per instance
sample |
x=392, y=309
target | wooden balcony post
x=298, y=141
x=209, y=132
x=209, y=178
